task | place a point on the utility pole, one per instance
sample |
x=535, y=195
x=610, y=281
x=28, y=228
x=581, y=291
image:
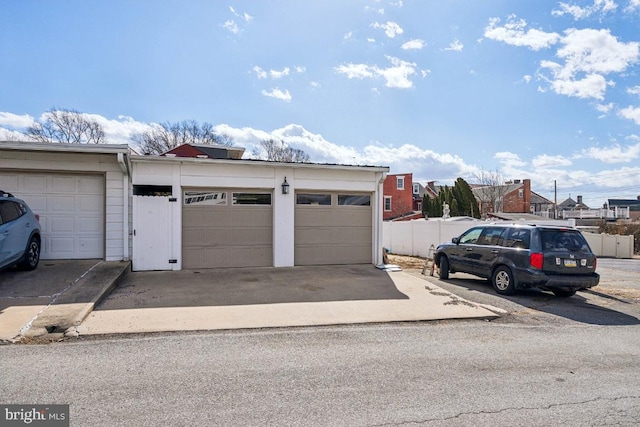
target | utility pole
x=555, y=199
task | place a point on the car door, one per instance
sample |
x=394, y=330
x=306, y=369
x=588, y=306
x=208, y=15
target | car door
x=13, y=233
x=488, y=250
x=463, y=255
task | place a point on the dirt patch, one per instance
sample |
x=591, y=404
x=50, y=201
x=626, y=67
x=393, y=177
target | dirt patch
x=406, y=262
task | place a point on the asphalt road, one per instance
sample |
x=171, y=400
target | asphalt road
x=453, y=373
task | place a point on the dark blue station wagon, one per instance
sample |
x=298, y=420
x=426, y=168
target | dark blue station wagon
x=513, y=257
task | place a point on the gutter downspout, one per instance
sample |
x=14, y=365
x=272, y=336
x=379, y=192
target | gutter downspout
x=123, y=161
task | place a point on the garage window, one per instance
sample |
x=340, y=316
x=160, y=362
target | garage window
x=205, y=198
x=313, y=199
x=251, y=198
x=354, y=200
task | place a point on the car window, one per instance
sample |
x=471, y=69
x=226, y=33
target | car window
x=564, y=240
x=471, y=236
x=518, y=238
x=9, y=211
x=491, y=236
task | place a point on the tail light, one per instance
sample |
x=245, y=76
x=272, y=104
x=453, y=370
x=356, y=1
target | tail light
x=37, y=217
x=536, y=259
x=595, y=263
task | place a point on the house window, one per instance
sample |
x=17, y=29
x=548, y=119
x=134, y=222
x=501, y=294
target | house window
x=313, y=199
x=387, y=203
x=400, y=182
x=353, y=200
x=251, y=198
x=416, y=189
x=520, y=193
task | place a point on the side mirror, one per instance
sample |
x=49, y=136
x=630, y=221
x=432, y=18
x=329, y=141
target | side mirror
x=455, y=240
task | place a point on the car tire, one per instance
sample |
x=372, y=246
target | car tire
x=31, y=255
x=502, y=281
x=562, y=293
x=443, y=268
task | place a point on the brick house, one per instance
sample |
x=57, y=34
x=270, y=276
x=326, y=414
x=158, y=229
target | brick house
x=397, y=196
x=512, y=197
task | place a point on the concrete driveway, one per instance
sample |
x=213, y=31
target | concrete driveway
x=93, y=297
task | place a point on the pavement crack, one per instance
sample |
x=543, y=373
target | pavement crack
x=507, y=409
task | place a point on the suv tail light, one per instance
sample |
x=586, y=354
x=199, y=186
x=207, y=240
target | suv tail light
x=536, y=259
x=595, y=263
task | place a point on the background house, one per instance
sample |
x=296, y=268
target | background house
x=511, y=197
x=631, y=206
x=398, y=197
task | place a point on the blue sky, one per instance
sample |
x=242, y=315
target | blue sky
x=546, y=90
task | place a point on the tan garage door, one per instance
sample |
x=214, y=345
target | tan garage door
x=227, y=228
x=333, y=228
x=71, y=209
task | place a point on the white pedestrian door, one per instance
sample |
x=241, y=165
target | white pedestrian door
x=152, y=233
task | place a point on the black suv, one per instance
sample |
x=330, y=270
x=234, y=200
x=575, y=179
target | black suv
x=513, y=257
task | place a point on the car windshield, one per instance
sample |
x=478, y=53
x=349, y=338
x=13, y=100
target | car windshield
x=564, y=240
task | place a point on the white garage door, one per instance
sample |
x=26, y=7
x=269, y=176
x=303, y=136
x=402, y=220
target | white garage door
x=71, y=209
x=333, y=228
x=227, y=228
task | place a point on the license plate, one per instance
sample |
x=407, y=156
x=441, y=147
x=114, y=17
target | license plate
x=570, y=263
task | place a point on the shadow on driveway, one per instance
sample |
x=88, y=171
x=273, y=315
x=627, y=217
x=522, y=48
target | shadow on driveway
x=577, y=308
x=247, y=286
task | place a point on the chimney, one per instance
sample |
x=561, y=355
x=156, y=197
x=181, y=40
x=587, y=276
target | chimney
x=579, y=200
x=516, y=181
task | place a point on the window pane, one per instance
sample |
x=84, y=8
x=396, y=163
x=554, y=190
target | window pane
x=353, y=200
x=387, y=203
x=471, y=236
x=9, y=211
x=205, y=198
x=313, y=199
x=518, y=238
x=491, y=236
x=251, y=198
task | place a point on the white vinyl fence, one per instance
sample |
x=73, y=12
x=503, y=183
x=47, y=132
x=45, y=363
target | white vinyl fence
x=416, y=237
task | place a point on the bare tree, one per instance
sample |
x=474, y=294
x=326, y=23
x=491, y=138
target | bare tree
x=67, y=126
x=490, y=190
x=167, y=136
x=278, y=151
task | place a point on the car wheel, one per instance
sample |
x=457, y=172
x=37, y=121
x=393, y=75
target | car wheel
x=503, y=282
x=443, y=268
x=563, y=293
x=31, y=255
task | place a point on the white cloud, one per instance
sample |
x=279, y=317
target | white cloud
x=599, y=6
x=455, y=46
x=635, y=90
x=260, y=73
x=631, y=113
x=613, y=154
x=633, y=6
x=526, y=78
x=300, y=69
x=275, y=74
x=588, y=56
x=604, y=108
x=592, y=86
x=396, y=76
x=391, y=29
x=244, y=16
x=348, y=36
x=231, y=26
x=513, y=33
x=15, y=121
x=546, y=161
x=278, y=94
x=413, y=44
x=508, y=158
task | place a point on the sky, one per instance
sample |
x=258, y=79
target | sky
x=537, y=89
